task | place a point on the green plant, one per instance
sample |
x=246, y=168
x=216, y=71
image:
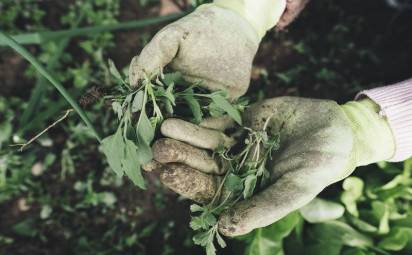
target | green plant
x=245, y=173
x=140, y=111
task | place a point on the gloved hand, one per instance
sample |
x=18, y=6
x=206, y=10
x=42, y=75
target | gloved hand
x=321, y=143
x=214, y=45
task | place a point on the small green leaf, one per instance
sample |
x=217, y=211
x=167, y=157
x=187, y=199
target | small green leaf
x=131, y=164
x=214, y=110
x=196, y=223
x=172, y=78
x=114, y=71
x=196, y=208
x=233, y=183
x=201, y=238
x=210, y=220
x=250, y=184
x=397, y=239
x=353, y=187
x=138, y=101
x=224, y=104
x=220, y=240
x=118, y=109
x=145, y=129
x=144, y=154
x=194, y=106
x=320, y=210
x=210, y=249
x=113, y=147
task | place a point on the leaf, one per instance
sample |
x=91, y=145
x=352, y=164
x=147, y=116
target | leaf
x=172, y=78
x=113, y=147
x=45, y=212
x=118, y=109
x=233, y=183
x=320, y=210
x=202, y=238
x=268, y=240
x=353, y=187
x=362, y=225
x=25, y=228
x=196, y=223
x=196, y=208
x=381, y=212
x=397, y=239
x=210, y=249
x=168, y=105
x=145, y=129
x=131, y=164
x=223, y=104
x=169, y=93
x=220, y=240
x=144, y=152
x=336, y=232
x=113, y=70
x=138, y=101
x=194, y=106
x=250, y=184
x=215, y=111
x=210, y=220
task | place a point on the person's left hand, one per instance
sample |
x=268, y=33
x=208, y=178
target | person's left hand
x=321, y=143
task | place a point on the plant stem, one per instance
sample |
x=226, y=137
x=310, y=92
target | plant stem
x=29, y=57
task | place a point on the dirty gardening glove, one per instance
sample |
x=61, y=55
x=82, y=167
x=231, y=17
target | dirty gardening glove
x=214, y=45
x=321, y=143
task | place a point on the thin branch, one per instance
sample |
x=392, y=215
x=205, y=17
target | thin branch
x=24, y=145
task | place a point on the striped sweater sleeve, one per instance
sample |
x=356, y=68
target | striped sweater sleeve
x=395, y=102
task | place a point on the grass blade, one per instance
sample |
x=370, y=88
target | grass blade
x=29, y=57
x=41, y=37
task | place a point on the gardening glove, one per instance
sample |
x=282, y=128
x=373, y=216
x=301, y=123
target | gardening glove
x=321, y=143
x=215, y=45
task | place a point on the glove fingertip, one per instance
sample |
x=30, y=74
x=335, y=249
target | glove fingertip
x=229, y=224
x=134, y=72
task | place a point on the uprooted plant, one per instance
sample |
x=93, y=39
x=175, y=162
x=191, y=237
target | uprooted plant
x=141, y=110
x=245, y=172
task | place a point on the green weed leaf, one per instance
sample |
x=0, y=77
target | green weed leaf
x=222, y=103
x=131, y=164
x=250, y=184
x=113, y=148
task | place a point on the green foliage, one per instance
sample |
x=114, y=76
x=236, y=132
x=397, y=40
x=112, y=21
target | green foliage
x=269, y=240
x=129, y=148
x=245, y=171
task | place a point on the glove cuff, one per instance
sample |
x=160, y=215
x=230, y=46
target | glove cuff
x=395, y=103
x=374, y=139
x=261, y=14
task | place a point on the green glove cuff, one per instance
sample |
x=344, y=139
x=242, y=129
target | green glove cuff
x=261, y=14
x=374, y=140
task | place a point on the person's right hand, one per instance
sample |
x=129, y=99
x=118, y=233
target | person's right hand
x=321, y=143
x=215, y=45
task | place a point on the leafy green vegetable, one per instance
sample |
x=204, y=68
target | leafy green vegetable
x=223, y=104
x=320, y=210
x=268, y=240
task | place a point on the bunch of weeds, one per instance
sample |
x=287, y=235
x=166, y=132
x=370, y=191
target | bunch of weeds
x=141, y=110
